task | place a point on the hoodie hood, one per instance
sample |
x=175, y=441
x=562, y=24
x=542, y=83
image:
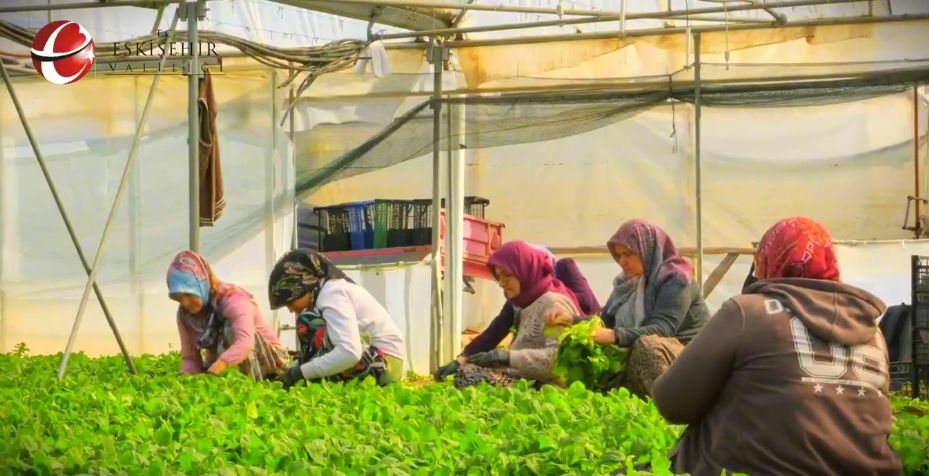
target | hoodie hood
x=834, y=312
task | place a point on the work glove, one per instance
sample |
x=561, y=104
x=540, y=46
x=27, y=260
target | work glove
x=448, y=369
x=292, y=376
x=493, y=358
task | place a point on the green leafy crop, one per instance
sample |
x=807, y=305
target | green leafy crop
x=102, y=421
x=911, y=434
x=580, y=359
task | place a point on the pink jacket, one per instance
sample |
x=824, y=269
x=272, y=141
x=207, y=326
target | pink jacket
x=238, y=309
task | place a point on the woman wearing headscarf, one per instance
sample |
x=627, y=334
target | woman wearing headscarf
x=348, y=333
x=220, y=325
x=525, y=275
x=789, y=378
x=566, y=271
x=655, y=307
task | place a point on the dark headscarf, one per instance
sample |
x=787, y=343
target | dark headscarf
x=299, y=272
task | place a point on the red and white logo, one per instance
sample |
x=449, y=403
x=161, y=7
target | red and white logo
x=63, y=52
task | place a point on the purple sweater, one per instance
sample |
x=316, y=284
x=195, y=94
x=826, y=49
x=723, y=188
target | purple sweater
x=238, y=309
x=566, y=271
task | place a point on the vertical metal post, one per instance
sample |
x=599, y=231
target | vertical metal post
x=455, y=231
x=271, y=188
x=111, y=218
x=698, y=158
x=436, y=57
x=135, y=237
x=64, y=217
x=193, y=126
x=4, y=223
x=918, y=224
x=293, y=163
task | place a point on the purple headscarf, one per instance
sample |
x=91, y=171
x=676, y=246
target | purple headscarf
x=659, y=256
x=533, y=269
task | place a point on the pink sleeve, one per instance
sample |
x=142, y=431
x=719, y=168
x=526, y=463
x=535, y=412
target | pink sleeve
x=240, y=312
x=192, y=361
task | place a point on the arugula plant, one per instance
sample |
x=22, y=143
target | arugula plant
x=100, y=420
x=580, y=359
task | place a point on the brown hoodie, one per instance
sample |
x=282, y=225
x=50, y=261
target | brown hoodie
x=788, y=379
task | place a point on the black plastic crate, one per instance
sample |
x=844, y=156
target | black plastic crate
x=473, y=206
x=421, y=229
x=921, y=314
x=920, y=274
x=333, y=228
x=920, y=351
x=393, y=223
x=909, y=380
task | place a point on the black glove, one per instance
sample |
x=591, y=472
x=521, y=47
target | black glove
x=292, y=376
x=448, y=369
x=493, y=358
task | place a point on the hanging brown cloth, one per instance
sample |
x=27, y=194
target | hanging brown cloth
x=212, y=201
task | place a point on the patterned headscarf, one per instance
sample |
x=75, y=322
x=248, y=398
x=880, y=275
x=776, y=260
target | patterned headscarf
x=533, y=269
x=659, y=256
x=299, y=272
x=189, y=274
x=797, y=247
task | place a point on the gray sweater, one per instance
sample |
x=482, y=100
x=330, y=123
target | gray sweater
x=679, y=311
x=532, y=354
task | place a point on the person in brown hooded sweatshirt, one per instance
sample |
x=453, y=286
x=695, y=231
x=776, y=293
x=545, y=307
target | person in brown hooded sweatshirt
x=790, y=378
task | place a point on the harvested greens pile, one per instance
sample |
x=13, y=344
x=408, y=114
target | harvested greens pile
x=580, y=359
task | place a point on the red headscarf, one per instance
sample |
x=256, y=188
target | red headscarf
x=533, y=269
x=797, y=247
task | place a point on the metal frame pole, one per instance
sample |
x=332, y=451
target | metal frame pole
x=455, y=231
x=918, y=225
x=120, y=191
x=64, y=216
x=85, y=5
x=604, y=18
x=135, y=238
x=295, y=232
x=193, y=127
x=436, y=57
x=698, y=158
x=271, y=189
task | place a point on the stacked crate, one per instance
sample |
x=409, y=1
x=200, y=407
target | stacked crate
x=919, y=367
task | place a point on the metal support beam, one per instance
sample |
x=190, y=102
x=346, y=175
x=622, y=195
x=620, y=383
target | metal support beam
x=88, y=5
x=437, y=56
x=136, y=287
x=717, y=275
x=193, y=128
x=406, y=18
x=780, y=18
x=455, y=228
x=120, y=191
x=698, y=158
x=605, y=18
x=424, y=5
x=271, y=189
x=295, y=237
x=454, y=232
x=64, y=216
x=918, y=223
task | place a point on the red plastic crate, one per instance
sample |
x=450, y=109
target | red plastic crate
x=481, y=239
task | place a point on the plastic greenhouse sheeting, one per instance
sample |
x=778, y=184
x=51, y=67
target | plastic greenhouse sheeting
x=86, y=142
